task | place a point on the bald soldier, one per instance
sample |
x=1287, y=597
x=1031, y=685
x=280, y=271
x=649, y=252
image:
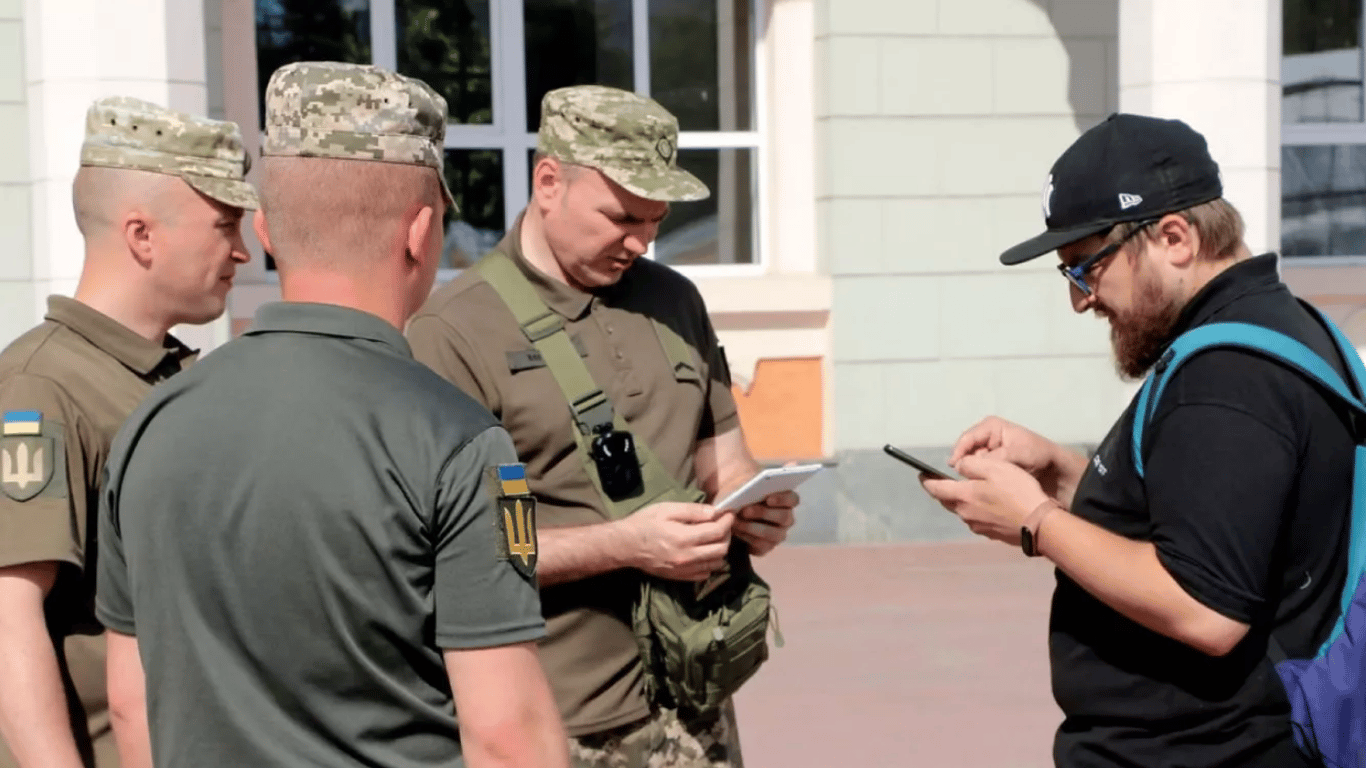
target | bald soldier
x=349, y=578
x=624, y=426
x=158, y=198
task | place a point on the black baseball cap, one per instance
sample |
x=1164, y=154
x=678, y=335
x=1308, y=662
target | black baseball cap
x=1127, y=168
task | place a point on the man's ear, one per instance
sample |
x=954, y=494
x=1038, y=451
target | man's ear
x=419, y=232
x=137, y=235
x=1181, y=239
x=258, y=223
x=547, y=182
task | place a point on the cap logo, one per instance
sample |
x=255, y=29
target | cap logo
x=1128, y=201
x=1048, y=197
x=665, y=148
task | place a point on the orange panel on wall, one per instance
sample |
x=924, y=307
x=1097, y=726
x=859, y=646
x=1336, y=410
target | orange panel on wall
x=782, y=411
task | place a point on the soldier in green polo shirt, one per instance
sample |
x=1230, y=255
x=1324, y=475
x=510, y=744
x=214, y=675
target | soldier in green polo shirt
x=159, y=198
x=656, y=396
x=325, y=553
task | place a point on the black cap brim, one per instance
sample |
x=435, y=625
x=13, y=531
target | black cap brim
x=1051, y=241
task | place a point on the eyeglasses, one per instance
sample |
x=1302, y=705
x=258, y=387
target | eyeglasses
x=1077, y=275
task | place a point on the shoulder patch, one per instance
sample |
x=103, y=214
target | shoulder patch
x=517, y=541
x=32, y=457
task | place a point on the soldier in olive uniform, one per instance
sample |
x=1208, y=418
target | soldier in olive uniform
x=159, y=199
x=324, y=552
x=604, y=175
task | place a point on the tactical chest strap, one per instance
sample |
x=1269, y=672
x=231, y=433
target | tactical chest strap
x=589, y=406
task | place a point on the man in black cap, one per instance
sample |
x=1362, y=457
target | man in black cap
x=1171, y=582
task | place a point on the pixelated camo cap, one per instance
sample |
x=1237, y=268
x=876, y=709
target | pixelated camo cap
x=125, y=132
x=631, y=139
x=355, y=112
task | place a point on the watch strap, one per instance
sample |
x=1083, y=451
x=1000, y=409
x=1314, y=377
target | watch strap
x=1029, y=528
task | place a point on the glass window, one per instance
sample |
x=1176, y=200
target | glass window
x=700, y=59
x=476, y=181
x=446, y=44
x=309, y=30
x=1321, y=69
x=1323, y=139
x=1323, y=200
x=719, y=229
x=494, y=60
x=574, y=42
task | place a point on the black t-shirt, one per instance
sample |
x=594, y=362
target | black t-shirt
x=1247, y=499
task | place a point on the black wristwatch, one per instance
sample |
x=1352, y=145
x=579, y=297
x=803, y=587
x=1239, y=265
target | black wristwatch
x=1029, y=527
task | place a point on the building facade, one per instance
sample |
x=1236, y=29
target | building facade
x=869, y=159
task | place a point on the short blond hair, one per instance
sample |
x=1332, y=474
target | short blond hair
x=334, y=209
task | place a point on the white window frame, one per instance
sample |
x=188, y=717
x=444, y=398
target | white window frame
x=1321, y=134
x=507, y=134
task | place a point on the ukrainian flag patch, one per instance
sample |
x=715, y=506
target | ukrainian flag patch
x=21, y=423
x=512, y=480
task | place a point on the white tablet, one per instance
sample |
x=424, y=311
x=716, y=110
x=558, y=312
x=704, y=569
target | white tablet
x=766, y=482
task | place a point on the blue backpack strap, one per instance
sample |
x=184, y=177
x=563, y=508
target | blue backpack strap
x=1299, y=357
x=1246, y=336
x=1356, y=553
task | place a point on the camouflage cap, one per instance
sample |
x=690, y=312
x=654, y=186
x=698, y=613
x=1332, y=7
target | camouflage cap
x=355, y=112
x=124, y=132
x=631, y=139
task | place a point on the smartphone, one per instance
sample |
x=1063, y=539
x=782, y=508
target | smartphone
x=897, y=453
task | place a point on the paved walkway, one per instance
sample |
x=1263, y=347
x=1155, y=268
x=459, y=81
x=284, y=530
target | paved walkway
x=904, y=655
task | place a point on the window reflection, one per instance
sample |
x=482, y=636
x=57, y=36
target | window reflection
x=1323, y=200
x=575, y=42
x=700, y=62
x=1321, y=70
x=476, y=180
x=446, y=44
x=720, y=229
x=308, y=30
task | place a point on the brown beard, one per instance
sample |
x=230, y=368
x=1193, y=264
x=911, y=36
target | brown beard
x=1140, y=335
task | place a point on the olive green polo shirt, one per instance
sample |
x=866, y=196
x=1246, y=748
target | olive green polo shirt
x=295, y=529
x=468, y=335
x=65, y=388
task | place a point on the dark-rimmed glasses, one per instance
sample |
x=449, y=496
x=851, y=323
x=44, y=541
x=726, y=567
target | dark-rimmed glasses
x=1077, y=275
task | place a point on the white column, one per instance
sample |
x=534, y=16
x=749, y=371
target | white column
x=81, y=50
x=1216, y=65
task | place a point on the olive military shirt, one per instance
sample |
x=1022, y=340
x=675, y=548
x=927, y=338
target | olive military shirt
x=295, y=529
x=468, y=335
x=65, y=388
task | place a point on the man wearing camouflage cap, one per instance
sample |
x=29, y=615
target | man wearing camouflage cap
x=353, y=581
x=604, y=175
x=158, y=198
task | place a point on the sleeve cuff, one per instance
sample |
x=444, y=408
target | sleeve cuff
x=38, y=531
x=473, y=639
x=1209, y=592
x=124, y=625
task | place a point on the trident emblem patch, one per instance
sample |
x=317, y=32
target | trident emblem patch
x=26, y=465
x=517, y=518
x=520, y=527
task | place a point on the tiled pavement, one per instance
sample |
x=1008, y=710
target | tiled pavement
x=904, y=655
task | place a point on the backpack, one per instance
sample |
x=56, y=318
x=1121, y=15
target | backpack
x=1327, y=693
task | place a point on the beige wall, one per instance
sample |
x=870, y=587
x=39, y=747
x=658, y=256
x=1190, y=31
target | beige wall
x=16, y=266
x=937, y=123
x=53, y=65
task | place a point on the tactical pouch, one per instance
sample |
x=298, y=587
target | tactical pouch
x=698, y=651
